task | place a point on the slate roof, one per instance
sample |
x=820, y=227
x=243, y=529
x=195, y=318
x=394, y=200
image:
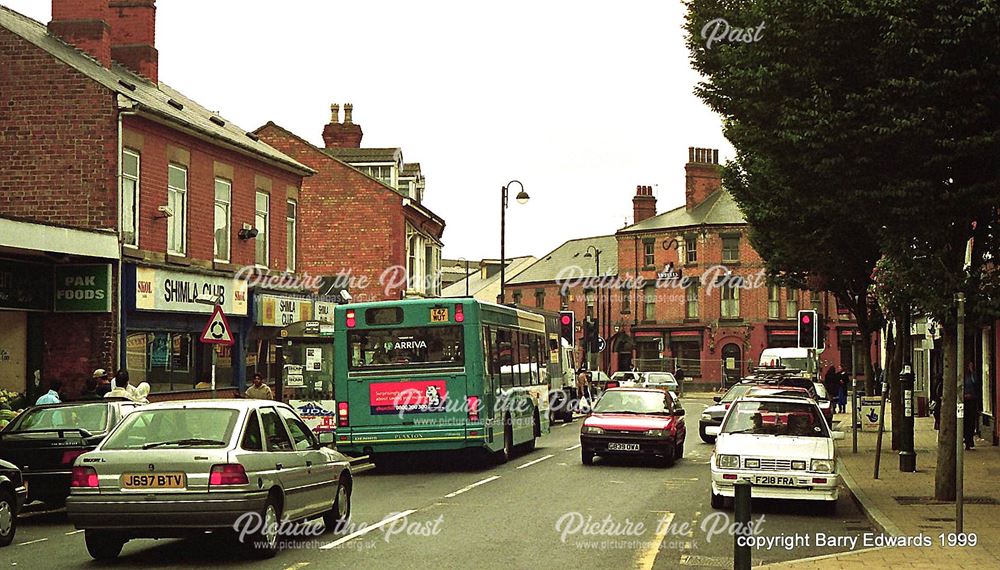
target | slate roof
x=719, y=209
x=152, y=99
x=411, y=169
x=477, y=283
x=358, y=155
x=571, y=254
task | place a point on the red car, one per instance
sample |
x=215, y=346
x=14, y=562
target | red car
x=634, y=421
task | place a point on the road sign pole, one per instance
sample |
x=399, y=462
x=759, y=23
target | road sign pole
x=960, y=418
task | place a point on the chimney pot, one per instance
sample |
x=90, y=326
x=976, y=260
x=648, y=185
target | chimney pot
x=702, y=176
x=335, y=113
x=342, y=135
x=348, y=111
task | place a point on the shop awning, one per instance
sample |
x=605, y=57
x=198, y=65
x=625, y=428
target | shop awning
x=40, y=237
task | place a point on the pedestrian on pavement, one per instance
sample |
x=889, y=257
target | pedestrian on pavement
x=259, y=390
x=937, y=385
x=103, y=380
x=679, y=376
x=832, y=383
x=970, y=398
x=90, y=390
x=844, y=380
x=52, y=396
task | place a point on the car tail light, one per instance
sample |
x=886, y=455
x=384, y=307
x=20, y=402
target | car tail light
x=459, y=315
x=342, y=410
x=351, y=321
x=84, y=477
x=612, y=384
x=473, y=403
x=228, y=474
x=68, y=457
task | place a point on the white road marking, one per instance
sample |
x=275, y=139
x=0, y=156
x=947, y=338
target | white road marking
x=574, y=447
x=472, y=486
x=74, y=532
x=297, y=565
x=32, y=542
x=367, y=529
x=530, y=463
x=648, y=557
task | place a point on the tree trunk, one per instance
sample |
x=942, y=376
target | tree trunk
x=944, y=477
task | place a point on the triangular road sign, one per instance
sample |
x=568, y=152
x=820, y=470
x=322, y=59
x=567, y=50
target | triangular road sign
x=217, y=330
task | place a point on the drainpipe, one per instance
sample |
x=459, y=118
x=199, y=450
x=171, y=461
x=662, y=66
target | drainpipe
x=125, y=107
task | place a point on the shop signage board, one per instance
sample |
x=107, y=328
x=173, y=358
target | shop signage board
x=277, y=311
x=178, y=291
x=82, y=288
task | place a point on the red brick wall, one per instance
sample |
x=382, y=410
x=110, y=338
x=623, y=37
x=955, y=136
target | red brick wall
x=349, y=221
x=154, y=159
x=57, y=130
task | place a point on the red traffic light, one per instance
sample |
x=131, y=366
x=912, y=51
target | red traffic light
x=805, y=319
x=565, y=319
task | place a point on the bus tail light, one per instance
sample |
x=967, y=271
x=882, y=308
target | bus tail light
x=84, y=477
x=473, y=404
x=228, y=474
x=351, y=320
x=342, y=410
x=459, y=315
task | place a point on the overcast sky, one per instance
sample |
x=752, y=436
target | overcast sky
x=581, y=101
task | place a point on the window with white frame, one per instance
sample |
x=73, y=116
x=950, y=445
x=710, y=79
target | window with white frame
x=291, y=220
x=177, y=185
x=130, y=197
x=262, y=223
x=730, y=301
x=223, y=216
x=690, y=249
x=791, y=304
x=773, y=301
x=692, y=301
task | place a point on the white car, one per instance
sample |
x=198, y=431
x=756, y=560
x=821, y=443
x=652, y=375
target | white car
x=782, y=446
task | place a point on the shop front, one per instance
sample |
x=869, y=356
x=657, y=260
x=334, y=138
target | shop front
x=167, y=310
x=272, y=312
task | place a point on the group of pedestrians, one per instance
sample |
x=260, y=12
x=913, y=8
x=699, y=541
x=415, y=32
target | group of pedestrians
x=837, y=383
x=101, y=384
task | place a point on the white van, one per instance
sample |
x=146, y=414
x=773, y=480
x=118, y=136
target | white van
x=797, y=358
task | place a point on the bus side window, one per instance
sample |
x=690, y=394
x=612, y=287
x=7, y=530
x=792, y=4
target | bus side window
x=505, y=362
x=516, y=356
x=535, y=365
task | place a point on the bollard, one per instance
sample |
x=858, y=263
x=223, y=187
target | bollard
x=741, y=506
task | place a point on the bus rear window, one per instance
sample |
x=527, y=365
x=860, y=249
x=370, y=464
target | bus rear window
x=384, y=316
x=404, y=347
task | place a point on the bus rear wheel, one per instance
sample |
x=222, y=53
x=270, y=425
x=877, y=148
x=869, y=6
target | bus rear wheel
x=505, y=454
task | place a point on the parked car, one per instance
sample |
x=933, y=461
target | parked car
x=44, y=441
x=13, y=495
x=624, y=379
x=796, y=461
x=823, y=399
x=660, y=380
x=634, y=421
x=175, y=469
x=712, y=415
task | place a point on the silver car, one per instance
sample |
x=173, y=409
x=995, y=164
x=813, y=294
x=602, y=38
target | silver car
x=175, y=469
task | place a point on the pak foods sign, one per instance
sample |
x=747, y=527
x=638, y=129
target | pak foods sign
x=179, y=292
x=82, y=288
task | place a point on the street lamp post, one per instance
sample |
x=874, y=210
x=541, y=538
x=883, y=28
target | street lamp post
x=597, y=274
x=522, y=197
x=458, y=265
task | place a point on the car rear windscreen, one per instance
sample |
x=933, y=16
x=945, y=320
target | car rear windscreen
x=174, y=428
x=91, y=417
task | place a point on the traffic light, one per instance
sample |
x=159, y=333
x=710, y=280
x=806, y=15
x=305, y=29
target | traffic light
x=808, y=330
x=567, y=326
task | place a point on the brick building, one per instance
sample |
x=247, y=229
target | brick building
x=363, y=213
x=142, y=205
x=702, y=303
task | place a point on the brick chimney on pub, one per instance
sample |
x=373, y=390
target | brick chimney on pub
x=342, y=135
x=703, y=175
x=123, y=31
x=643, y=204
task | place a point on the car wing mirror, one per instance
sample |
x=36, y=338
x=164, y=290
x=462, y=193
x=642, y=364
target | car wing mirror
x=837, y=435
x=712, y=430
x=678, y=411
x=325, y=438
x=717, y=399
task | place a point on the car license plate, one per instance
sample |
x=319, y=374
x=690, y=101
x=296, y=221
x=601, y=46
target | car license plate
x=777, y=480
x=439, y=315
x=623, y=447
x=154, y=481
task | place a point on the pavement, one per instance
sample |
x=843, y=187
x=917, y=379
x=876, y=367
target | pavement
x=542, y=509
x=900, y=504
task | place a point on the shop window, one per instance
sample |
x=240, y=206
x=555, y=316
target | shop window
x=171, y=361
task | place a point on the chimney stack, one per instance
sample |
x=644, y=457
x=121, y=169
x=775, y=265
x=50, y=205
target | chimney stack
x=133, y=36
x=84, y=24
x=703, y=176
x=342, y=135
x=643, y=204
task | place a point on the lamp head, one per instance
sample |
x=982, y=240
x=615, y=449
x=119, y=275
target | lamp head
x=522, y=197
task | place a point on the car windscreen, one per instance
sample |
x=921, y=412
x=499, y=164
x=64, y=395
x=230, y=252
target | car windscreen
x=405, y=347
x=174, y=428
x=735, y=392
x=91, y=417
x=775, y=418
x=660, y=378
x=627, y=402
